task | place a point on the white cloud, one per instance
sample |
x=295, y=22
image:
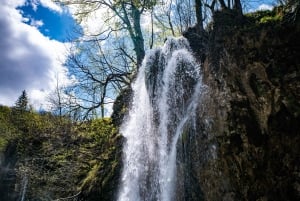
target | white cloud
x=51, y=5
x=94, y=23
x=36, y=96
x=265, y=7
x=14, y=3
x=34, y=4
x=29, y=60
x=36, y=23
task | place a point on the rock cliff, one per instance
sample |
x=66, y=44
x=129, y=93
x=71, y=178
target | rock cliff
x=247, y=144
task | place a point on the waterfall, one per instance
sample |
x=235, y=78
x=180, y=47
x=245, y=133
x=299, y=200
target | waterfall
x=166, y=94
x=24, y=187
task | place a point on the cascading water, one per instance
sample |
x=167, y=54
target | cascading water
x=166, y=94
x=24, y=187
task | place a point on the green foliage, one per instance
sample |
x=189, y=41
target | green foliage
x=99, y=130
x=7, y=129
x=22, y=102
x=59, y=157
x=266, y=16
x=270, y=19
x=100, y=136
x=137, y=3
x=21, y=115
x=4, y=126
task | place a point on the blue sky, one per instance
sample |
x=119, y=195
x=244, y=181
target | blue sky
x=34, y=37
x=252, y=5
x=57, y=25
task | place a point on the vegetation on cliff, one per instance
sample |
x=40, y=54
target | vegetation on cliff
x=47, y=157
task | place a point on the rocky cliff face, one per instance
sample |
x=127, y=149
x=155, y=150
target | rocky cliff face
x=247, y=144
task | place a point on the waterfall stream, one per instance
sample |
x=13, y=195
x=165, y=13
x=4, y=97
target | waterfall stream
x=166, y=95
x=24, y=187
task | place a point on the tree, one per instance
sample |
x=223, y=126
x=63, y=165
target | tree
x=127, y=12
x=103, y=62
x=22, y=102
x=20, y=112
x=238, y=7
x=214, y=5
x=98, y=77
x=199, y=15
x=184, y=14
x=57, y=98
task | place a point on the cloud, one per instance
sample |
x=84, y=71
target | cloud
x=34, y=4
x=36, y=23
x=265, y=7
x=45, y=3
x=28, y=59
x=13, y=3
x=93, y=23
x=51, y=5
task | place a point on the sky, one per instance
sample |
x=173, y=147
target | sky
x=33, y=43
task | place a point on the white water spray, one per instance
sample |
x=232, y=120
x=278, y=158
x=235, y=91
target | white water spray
x=166, y=94
x=24, y=187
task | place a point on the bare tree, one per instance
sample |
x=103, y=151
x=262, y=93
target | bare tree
x=128, y=12
x=103, y=62
x=99, y=76
x=56, y=97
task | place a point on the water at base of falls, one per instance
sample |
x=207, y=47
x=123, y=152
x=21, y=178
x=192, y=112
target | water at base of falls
x=166, y=94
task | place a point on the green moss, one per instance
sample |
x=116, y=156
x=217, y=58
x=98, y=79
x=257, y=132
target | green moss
x=3, y=144
x=184, y=135
x=8, y=131
x=91, y=177
x=110, y=174
x=60, y=157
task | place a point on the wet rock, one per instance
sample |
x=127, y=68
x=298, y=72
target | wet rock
x=247, y=144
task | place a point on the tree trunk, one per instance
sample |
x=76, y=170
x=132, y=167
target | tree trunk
x=132, y=19
x=102, y=111
x=222, y=3
x=198, y=5
x=138, y=39
x=229, y=3
x=238, y=7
